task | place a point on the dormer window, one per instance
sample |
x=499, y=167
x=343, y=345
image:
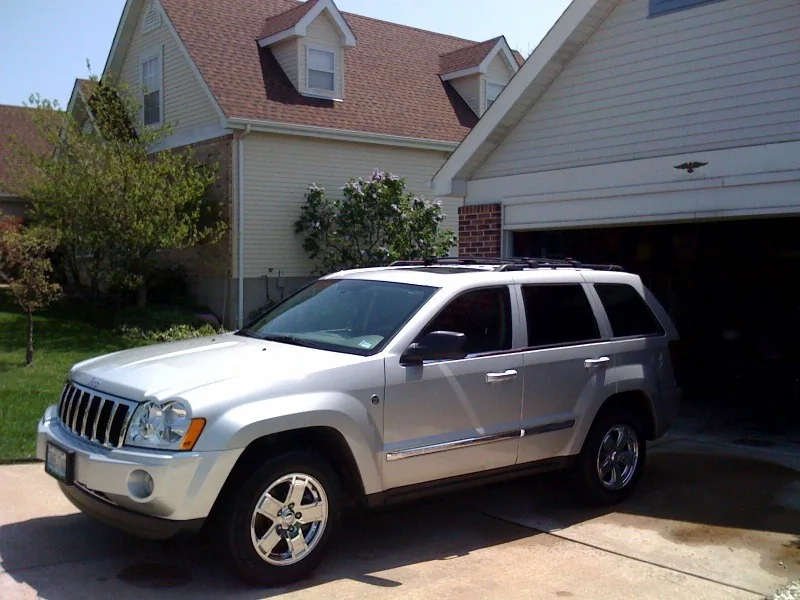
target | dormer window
x=309, y=42
x=479, y=72
x=321, y=70
x=492, y=92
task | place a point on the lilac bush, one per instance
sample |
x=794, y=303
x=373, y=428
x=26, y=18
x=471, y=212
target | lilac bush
x=374, y=222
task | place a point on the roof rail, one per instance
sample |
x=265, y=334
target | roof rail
x=507, y=264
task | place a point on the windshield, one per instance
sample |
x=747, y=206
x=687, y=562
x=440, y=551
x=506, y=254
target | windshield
x=345, y=315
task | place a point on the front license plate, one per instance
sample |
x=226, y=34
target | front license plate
x=60, y=464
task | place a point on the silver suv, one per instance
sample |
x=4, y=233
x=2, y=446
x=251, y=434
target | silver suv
x=365, y=388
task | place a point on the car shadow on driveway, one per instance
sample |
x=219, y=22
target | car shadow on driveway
x=686, y=498
x=52, y=554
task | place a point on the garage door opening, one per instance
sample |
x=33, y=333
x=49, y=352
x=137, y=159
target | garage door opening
x=730, y=288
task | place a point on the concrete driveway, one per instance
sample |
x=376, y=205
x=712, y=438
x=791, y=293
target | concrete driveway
x=708, y=522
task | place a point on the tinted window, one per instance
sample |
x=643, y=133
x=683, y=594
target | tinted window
x=558, y=315
x=627, y=311
x=484, y=316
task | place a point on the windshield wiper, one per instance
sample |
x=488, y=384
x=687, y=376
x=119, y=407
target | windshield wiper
x=288, y=339
x=249, y=333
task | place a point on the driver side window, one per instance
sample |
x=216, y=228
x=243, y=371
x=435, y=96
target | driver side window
x=484, y=316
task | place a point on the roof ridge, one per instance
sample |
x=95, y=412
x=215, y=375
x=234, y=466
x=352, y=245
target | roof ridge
x=493, y=40
x=393, y=24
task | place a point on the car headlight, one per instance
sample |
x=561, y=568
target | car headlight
x=167, y=426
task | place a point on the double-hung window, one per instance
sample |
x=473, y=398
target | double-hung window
x=492, y=92
x=153, y=100
x=321, y=70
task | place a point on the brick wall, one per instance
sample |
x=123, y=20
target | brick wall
x=479, y=230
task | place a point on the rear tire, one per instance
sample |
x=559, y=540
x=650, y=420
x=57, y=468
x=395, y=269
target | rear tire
x=280, y=522
x=612, y=459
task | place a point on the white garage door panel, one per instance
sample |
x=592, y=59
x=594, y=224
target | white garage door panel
x=714, y=203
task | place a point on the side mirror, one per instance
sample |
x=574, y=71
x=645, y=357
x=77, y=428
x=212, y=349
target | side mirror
x=437, y=345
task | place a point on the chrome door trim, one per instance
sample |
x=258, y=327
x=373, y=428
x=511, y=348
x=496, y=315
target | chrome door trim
x=549, y=427
x=455, y=445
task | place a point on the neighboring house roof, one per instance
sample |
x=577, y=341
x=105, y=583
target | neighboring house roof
x=471, y=56
x=392, y=75
x=16, y=121
x=572, y=30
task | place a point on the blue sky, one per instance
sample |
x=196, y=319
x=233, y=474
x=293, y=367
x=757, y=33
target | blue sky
x=44, y=44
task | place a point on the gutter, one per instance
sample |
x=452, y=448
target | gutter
x=240, y=224
x=362, y=137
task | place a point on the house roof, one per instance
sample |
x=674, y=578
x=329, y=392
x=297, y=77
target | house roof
x=287, y=19
x=392, y=75
x=471, y=56
x=572, y=30
x=16, y=121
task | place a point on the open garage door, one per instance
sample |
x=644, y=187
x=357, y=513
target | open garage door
x=732, y=289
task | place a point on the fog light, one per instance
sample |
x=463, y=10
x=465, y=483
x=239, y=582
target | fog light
x=140, y=484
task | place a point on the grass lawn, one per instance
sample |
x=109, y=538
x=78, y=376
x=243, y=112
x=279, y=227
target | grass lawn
x=63, y=335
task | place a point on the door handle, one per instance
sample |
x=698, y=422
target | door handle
x=509, y=375
x=593, y=363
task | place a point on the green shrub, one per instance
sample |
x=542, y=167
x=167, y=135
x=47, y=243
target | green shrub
x=173, y=333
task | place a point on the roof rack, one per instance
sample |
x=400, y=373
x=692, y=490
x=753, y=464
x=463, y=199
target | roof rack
x=507, y=264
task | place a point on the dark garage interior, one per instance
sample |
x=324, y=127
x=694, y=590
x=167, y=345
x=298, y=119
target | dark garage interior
x=731, y=288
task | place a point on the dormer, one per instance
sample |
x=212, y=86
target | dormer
x=480, y=72
x=309, y=43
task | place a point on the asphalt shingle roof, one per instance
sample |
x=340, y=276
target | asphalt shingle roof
x=16, y=121
x=392, y=83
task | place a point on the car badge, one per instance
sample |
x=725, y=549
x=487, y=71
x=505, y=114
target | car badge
x=95, y=382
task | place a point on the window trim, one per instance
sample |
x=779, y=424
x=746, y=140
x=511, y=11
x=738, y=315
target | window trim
x=601, y=318
x=654, y=10
x=513, y=324
x=156, y=52
x=321, y=48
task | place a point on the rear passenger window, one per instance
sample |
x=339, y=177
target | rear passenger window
x=484, y=316
x=627, y=310
x=559, y=315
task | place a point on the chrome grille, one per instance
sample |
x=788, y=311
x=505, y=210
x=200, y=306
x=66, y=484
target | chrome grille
x=94, y=416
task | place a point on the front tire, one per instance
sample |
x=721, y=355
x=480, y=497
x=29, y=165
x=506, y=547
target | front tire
x=282, y=519
x=612, y=459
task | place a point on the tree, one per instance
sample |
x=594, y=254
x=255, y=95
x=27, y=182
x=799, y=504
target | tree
x=114, y=198
x=375, y=222
x=25, y=266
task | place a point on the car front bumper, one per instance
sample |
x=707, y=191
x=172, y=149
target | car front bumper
x=185, y=484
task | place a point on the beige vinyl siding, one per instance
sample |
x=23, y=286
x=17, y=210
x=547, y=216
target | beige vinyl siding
x=469, y=88
x=186, y=103
x=323, y=33
x=716, y=76
x=286, y=54
x=278, y=171
x=498, y=71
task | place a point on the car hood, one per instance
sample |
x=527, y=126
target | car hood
x=173, y=369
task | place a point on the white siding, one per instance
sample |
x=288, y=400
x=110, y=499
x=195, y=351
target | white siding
x=469, y=88
x=278, y=171
x=286, y=54
x=721, y=75
x=323, y=32
x=186, y=104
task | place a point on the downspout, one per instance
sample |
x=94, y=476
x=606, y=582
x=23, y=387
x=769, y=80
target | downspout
x=240, y=225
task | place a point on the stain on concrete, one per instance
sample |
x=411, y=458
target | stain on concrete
x=733, y=501
x=565, y=594
x=155, y=576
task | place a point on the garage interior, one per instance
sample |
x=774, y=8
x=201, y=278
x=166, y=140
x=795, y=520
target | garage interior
x=731, y=288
